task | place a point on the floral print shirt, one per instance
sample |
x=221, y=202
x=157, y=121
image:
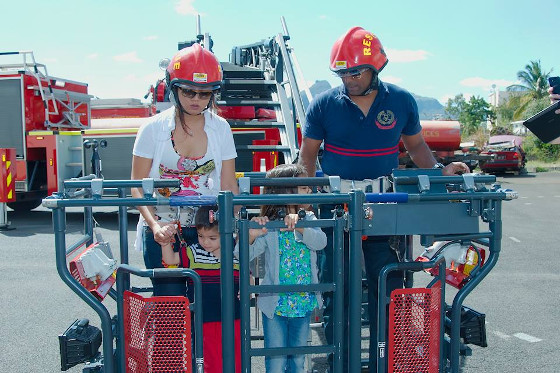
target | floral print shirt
x=295, y=268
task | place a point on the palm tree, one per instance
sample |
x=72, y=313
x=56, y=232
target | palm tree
x=533, y=86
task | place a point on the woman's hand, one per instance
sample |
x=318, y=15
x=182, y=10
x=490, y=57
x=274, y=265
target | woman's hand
x=164, y=233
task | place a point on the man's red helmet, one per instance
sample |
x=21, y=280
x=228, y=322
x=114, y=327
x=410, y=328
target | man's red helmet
x=357, y=49
x=194, y=66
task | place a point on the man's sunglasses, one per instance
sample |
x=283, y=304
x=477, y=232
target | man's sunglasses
x=353, y=73
x=189, y=93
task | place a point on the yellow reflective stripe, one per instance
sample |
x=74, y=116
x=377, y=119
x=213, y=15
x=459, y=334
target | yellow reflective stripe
x=108, y=131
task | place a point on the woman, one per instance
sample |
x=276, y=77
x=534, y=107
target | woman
x=188, y=142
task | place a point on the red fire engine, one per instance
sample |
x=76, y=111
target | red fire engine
x=41, y=118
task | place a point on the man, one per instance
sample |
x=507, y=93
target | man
x=361, y=123
x=553, y=98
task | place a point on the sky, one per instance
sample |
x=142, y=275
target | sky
x=436, y=48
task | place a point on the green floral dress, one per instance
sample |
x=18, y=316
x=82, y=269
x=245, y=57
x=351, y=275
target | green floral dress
x=295, y=268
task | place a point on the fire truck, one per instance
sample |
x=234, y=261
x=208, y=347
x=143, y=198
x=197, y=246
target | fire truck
x=42, y=119
x=53, y=128
x=59, y=132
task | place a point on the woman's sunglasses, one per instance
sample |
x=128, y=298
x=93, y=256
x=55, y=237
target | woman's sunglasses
x=189, y=93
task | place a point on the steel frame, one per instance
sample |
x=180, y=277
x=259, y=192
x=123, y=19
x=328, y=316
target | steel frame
x=412, y=190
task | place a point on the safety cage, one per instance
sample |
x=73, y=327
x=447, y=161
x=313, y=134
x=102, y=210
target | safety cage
x=425, y=333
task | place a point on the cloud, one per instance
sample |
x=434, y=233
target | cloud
x=405, y=55
x=391, y=79
x=129, y=57
x=485, y=84
x=443, y=99
x=150, y=37
x=92, y=56
x=185, y=7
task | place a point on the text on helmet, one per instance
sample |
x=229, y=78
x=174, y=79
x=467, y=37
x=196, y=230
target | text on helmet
x=367, y=44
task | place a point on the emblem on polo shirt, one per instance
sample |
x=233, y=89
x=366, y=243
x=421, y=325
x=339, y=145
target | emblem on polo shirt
x=386, y=120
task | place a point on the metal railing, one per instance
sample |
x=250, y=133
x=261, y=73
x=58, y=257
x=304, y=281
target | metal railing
x=471, y=203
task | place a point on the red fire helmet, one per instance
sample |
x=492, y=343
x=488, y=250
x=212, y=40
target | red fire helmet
x=357, y=49
x=194, y=66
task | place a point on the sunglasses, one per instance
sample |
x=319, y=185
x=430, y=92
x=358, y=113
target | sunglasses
x=189, y=93
x=354, y=74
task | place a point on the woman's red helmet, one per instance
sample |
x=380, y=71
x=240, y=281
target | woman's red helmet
x=357, y=49
x=194, y=66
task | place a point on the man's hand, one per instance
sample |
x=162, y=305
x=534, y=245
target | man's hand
x=455, y=168
x=554, y=97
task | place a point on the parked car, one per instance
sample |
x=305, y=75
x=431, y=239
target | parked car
x=508, y=154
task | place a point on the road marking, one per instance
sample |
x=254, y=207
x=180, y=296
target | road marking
x=528, y=203
x=557, y=196
x=514, y=239
x=540, y=196
x=501, y=335
x=527, y=337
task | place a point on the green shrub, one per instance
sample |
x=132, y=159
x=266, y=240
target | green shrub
x=541, y=169
x=535, y=149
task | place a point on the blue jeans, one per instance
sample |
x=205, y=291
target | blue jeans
x=283, y=331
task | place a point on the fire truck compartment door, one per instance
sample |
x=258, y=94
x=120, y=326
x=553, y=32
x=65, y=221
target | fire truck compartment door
x=12, y=127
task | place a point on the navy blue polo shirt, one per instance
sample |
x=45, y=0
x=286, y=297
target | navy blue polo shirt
x=359, y=147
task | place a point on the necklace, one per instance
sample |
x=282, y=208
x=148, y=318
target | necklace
x=187, y=130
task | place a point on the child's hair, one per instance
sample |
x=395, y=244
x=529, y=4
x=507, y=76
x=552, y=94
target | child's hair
x=283, y=170
x=202, y=217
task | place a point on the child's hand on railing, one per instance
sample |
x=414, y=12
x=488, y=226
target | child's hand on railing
x=291, y=220
x=254, y=233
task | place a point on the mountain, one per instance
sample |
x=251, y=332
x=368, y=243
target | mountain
x=428, y=108
x=317, y=87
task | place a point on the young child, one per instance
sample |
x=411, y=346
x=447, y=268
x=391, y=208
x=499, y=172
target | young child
x=290, y=258
x=204, y=258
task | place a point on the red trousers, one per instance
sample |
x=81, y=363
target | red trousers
x=212, y=345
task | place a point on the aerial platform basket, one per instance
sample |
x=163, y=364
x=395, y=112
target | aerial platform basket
x=157, y=333
x=414, y=329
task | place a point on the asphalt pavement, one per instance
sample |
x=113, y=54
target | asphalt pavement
x=520, y=297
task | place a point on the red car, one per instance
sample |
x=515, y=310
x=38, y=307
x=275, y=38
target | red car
x=508, y=154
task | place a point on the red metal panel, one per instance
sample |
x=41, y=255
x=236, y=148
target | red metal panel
x=237, y=112
x=46, y=143
x=7, y=175
x=414, y=327
x=21, y=170
x=157, y=333
x=123, y=112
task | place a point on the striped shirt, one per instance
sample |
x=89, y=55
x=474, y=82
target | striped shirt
x=208, y=268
